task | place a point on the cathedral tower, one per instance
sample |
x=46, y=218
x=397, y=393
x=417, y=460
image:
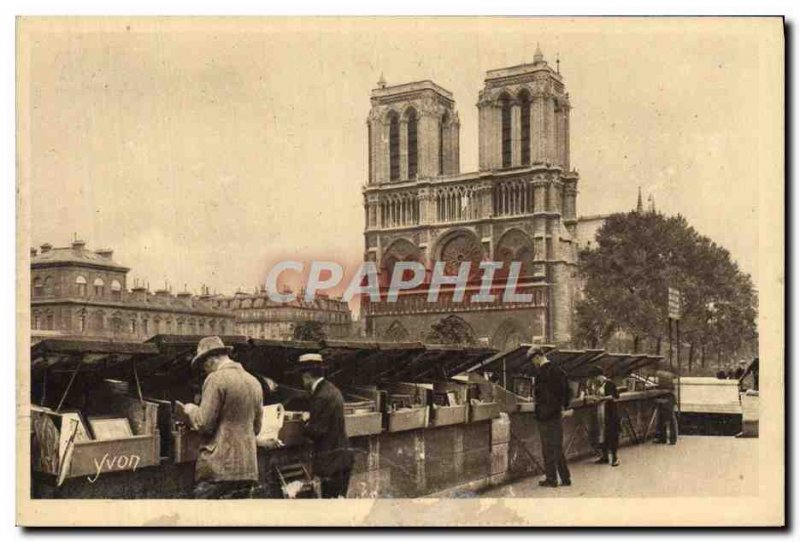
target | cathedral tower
x=413, y=132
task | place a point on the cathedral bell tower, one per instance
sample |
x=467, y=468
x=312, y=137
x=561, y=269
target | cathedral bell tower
x=413, y=132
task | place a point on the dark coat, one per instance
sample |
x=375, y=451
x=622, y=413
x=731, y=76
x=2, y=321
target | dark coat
x=611, y=428
x=551, y=392
x=229, y=418
x=326, y=430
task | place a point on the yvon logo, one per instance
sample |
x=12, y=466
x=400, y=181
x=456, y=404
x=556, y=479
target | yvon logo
x=114, y=462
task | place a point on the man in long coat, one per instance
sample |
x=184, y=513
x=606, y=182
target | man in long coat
x=228, y=418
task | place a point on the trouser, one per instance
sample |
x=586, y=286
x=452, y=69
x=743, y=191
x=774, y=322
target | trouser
x=234, y=489
x=552, y=435
x=335, y=485
x=666, y=423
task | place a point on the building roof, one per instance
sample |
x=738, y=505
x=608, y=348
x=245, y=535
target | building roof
x=76, y=254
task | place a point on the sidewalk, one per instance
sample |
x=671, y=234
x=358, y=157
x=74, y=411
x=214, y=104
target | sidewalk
x=696, y=466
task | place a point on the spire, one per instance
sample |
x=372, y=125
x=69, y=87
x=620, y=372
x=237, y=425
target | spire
x=639, y=206
x=558, y=63
x=652, y=203
x=382, y=81
x=538, y=56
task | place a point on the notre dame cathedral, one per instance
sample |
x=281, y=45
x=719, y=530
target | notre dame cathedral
x=519, y=206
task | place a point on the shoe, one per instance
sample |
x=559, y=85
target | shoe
x=660, y=441
x=615, y=463
x=566, y=483
x=601, y=460
x=548, y=483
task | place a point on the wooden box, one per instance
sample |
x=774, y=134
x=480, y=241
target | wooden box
x=448, y=415
x=483, y=411
x=358, y=425
x=407, y=419
x=291, y=433
x=92, y=458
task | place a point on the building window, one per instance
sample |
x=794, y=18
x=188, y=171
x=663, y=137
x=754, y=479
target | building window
x=146, y=327
x=116, y=290
x=99, y=287
x=82, y=321
x=38, y=288
x=525, y=128
x=133, y=326
x=412, y=144
x=505, y=122
x=48, y=321
x=180, y=327
x=99, y=321
x=116, y=324
x=48, y=286
x=394, y=147
x=37, y=321
x=80, y=286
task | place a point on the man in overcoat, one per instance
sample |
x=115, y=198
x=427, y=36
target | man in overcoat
x=551, y=397
x=333, y=459
x=228, y=418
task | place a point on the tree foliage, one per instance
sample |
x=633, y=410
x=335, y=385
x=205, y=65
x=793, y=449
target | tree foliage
x=637, y=258
x=309, y=330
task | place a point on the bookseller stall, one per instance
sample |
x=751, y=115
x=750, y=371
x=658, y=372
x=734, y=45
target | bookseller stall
x=422, y=419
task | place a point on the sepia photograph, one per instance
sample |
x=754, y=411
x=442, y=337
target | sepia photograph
x=400, y=271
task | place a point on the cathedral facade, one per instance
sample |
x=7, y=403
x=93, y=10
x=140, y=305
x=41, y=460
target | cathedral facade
x=518, y=207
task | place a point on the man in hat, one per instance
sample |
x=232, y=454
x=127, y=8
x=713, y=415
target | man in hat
x=228, y=418
x=551, y=396
x=610, y=427
x=333, y=460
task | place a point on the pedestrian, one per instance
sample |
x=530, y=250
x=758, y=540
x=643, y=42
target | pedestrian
x=228, y=419
x=610, y=427
x=666, y=419
x=551, y=397
x=333, y=459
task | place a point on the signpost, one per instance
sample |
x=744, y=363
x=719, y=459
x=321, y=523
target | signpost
x=674, y=313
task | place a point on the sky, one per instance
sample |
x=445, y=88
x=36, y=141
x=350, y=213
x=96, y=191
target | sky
x=203, y=151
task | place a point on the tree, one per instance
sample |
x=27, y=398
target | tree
x=626, y=277
x=309, y=330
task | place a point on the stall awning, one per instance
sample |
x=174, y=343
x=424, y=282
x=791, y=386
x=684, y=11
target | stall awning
x=576, y=363
x=66, y=354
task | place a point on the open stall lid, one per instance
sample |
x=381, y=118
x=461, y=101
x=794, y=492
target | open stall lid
x=65, y=355
x=616, y=364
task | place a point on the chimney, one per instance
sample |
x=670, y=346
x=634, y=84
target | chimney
x=45, y=248
x=34, y=252
x=139, y=294
x=78, y=245
x=103, y=252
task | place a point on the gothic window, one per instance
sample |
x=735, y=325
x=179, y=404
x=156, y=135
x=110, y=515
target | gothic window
x=442, y=133
x=146, y=327
x=48, y=321
x=116, y=324
x=369, y=149
x=116, y=290
x=505, y=124
x=515, y=246
x=461, y=247
x=525, y=127
x=99, y=286
x=80, y=285
x=394, y=147
x=412, y=144
x=133, y=326
x=36, y=321
x=82, y=321
x=38, y=288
